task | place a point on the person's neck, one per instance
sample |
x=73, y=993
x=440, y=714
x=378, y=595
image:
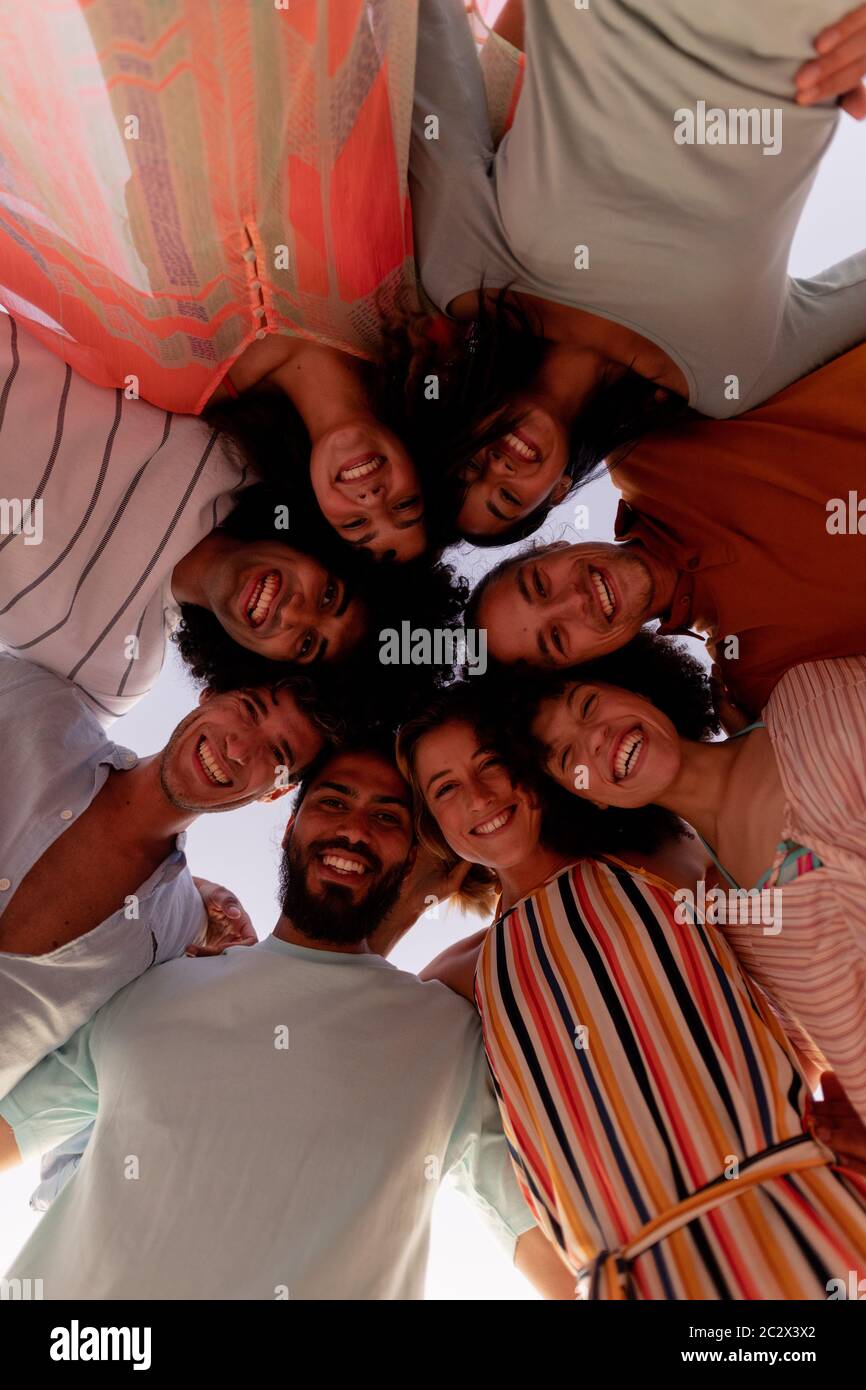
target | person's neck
x=192, y=575
x=326, y=387
x=521, y=879
x=604, y=350
x=143, y=815
x=665, y=577
x=285, y=930
x=700, y=792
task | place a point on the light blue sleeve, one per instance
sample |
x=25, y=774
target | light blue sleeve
x=824, y=317
x=479, y=1163
x=56, y=1100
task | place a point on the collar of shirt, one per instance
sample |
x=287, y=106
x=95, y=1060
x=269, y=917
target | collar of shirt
x=58, y=757
x=631, y=524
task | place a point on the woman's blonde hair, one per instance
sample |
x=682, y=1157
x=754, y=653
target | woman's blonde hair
x=480, y=888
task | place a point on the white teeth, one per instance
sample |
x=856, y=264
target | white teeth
x=495, y=824
x=344, y=866
x=210, y=764
x=627, y=754
x=520, y=448
x=360, y=470
x=604, y=594
x=263, y=597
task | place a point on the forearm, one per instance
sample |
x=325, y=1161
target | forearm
x=539, y=1261
x=509, y=25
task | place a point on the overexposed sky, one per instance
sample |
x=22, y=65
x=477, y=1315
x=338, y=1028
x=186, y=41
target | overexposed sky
x=242, y=850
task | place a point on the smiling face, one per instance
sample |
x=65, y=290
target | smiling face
x=284, y=605
x=467, y=789
x=236, y=748
x=608, y=745
x=505, y=481
x=353, y=828
x=367, y=488
x=569, y=604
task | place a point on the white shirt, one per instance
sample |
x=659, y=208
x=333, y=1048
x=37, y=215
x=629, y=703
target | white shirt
x=272, y=1122
x=126, y=491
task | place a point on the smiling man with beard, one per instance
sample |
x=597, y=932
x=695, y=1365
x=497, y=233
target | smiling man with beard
x=94, y=887
x=320, y=1093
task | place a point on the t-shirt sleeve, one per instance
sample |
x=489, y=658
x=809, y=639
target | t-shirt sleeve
x=450, y=148
x=824, y=317
x=479, y=1165
x=56, y=1100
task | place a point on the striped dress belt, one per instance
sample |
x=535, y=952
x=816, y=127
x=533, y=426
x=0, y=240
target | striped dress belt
x=608, y=1275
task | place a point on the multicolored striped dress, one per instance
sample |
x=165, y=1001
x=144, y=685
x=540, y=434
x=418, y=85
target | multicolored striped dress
x=181, y=177
x=652, y=1103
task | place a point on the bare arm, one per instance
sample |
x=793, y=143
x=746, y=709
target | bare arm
x=509, y=25
x=456, y=966
x=539, y=1261
x=10, y=1154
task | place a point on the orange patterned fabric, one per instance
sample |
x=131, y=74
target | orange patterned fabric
x=178, y=177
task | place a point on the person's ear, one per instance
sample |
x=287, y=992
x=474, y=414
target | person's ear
x=205, y=695
x=287, y=833
x=277, y=792
x=561, y=490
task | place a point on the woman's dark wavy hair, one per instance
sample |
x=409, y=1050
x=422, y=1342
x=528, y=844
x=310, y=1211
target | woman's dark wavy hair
x=267, y=434
x=659, y=668
x=361, y=690
x=480, y=366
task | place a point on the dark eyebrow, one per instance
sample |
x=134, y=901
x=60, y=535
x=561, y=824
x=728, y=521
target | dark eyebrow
x=347, y=599
x=257, y=700
x=337, y=787
x=436, y=776
x=500, y=516
x=320, y=654
x=392, y=801
x=542, y=645
x=521, y=584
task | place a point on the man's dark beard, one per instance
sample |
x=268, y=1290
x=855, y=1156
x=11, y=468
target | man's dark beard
x=333, y=915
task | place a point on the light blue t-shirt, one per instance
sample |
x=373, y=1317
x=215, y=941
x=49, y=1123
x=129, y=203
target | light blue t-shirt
x=271, y=1122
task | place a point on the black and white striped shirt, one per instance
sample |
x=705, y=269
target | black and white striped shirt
x=100, y=497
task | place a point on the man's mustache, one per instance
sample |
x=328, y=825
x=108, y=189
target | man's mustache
x=341, y=842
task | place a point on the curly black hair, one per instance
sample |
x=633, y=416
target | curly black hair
x=659, y=668
x=362, y=691
x=478, y=368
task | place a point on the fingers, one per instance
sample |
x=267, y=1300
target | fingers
x=854, y=103
x=832, y=1090
x=221, y=901
x=840, y=65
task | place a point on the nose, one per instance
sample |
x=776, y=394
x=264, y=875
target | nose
x=501, y=466
x=597, y=739
x=480, y=795
x=294, y=610
x=238, y=747
x=368, y=492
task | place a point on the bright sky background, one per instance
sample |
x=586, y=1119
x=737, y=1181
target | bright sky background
x=242, y=850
